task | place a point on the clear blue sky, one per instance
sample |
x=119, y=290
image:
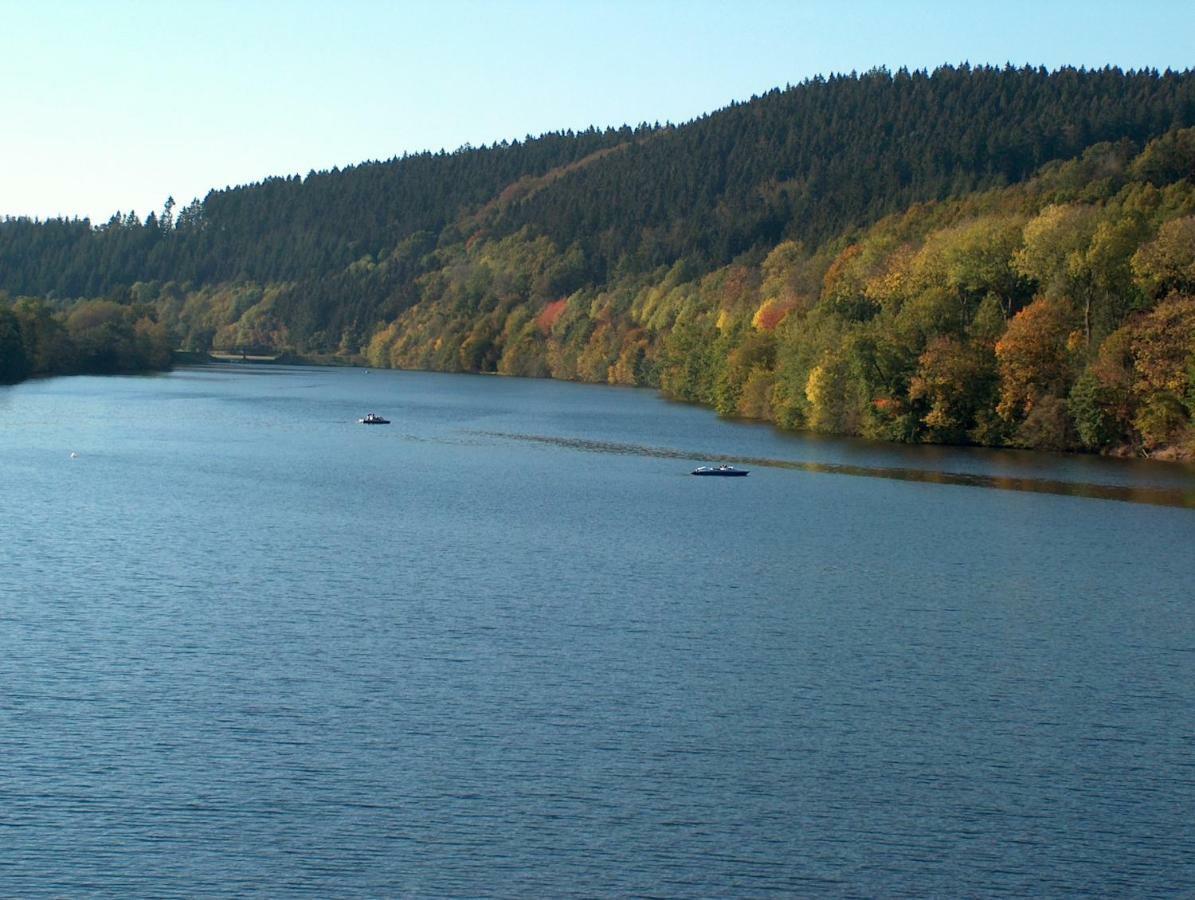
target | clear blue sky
x=117, y=104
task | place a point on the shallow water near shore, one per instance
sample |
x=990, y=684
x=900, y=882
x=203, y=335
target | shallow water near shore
x=507, y=646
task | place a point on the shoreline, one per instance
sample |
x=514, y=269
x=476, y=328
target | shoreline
x=1168, y=454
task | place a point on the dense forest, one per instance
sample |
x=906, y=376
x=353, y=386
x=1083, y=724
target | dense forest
x=973, y=255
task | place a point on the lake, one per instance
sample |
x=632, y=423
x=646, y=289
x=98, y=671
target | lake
x=507, y=646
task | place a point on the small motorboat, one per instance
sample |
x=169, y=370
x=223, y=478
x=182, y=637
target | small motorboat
x=728, y=471
x=374, y=419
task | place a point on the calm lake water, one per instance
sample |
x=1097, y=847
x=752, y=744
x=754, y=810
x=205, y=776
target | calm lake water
x=507, y=646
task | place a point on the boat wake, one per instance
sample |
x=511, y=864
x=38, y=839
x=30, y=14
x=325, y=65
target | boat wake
x=1154, y=496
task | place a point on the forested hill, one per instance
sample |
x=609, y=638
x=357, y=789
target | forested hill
x=859, y=254
x=807, y=162
x=284, y=228
x=813, y=161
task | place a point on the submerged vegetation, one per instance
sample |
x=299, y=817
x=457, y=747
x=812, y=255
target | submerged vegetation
x=990, y=256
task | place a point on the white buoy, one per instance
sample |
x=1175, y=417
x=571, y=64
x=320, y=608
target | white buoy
x=74, y=455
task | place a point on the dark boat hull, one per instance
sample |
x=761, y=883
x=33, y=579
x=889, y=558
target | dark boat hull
x=721, y=473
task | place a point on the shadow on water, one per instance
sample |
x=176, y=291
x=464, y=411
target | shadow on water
x=1155, y=496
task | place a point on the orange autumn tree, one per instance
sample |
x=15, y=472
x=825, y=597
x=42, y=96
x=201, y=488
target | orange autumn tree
x=550, y=314
x=771, y=313
x=1034, y=357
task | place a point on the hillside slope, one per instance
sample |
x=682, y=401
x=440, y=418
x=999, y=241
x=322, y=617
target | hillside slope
x=907, y=256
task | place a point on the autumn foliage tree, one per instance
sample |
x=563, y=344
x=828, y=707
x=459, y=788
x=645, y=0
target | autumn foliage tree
x=1167, y=263
x=956, y=380
x=1035, y=356
x=1163, y=349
